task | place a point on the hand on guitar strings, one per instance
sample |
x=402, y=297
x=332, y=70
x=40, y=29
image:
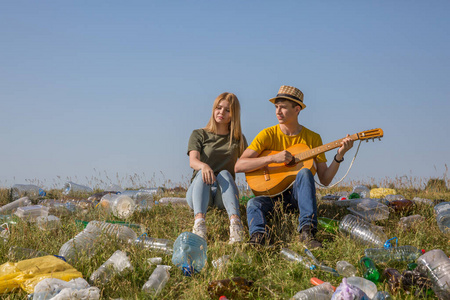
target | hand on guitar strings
x=282, y=157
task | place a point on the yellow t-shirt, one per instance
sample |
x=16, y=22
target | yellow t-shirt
x=273, y=138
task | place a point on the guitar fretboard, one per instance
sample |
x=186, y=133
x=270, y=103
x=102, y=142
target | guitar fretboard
x=324, y=148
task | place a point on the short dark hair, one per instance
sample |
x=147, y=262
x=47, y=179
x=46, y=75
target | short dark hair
x=293, y=103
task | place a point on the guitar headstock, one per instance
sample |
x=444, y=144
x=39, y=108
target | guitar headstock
x=370, y=134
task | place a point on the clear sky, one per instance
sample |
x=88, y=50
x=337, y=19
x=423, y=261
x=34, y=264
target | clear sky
x=107, y=89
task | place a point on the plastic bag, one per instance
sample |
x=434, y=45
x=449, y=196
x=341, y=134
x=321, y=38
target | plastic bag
x=381, y=192
x=347, y=291
x=52, y=289
x=26, y=274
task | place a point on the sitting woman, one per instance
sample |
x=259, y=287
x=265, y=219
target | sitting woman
x=213, y=152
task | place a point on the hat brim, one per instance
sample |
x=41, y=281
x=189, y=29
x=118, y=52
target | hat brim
x=286, y=98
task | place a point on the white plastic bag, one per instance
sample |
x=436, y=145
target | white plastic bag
x=52, y=288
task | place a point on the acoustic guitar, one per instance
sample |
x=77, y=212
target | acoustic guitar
x=275, y=178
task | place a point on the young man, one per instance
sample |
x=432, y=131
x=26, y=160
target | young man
x=302, y=195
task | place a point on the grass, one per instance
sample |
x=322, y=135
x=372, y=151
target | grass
x=272, y=276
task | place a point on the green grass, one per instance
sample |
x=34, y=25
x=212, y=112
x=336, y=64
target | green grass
x=272, y=276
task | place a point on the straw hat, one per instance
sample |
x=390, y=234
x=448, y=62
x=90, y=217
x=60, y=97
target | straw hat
x=290, y=93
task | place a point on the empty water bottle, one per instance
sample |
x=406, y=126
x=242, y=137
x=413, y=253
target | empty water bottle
x=393, y=197
x=437, y=264
x=8, y=208
x=290, y=255
x=143, y=198
x=345, y=269
x=409, y=221
x=147, y=242
x=118, y=263
x=26, y=190
x=71, y=187
x=122, y=206
x=369, y=269
x=157, y=280
x=365, y=285
x=329, y=225
x=362, y=190
x=323, y=291
x=189, y=253
x=405, y=253
x=48, y=222
x=442, y=211
x=362, y=231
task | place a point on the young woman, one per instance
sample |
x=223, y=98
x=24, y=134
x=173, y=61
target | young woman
x=213, y=152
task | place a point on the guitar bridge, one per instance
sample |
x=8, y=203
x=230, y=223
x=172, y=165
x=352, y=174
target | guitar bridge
x=266, y=173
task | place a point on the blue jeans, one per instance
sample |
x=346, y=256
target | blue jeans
x=222, y=194
x=302, y=196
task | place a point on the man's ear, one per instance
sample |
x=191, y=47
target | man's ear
x=298, y=108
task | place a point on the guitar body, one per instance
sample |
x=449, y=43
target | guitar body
x=274, y=179
x=277, y=177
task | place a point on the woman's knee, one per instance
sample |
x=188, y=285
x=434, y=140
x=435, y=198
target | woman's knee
x=225, y=174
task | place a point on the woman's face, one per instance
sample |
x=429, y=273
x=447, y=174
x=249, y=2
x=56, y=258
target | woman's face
x=222, y=114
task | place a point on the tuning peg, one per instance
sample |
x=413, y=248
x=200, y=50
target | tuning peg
x=379, y=139
x=367, y=141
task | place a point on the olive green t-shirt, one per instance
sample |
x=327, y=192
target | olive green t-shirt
x=215, y=150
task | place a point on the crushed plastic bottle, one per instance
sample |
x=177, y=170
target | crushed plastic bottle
x=442, y=211
x=437, y=264
x=365, y=285
x=17, y=253
x=346, y=269
x=118, y=263
x=147, y=242
x=189, y=253
x=71, y=187
x=369, y=269
x=418, y=200
x=26, y=190
x=4, y=232
x=322, y=291
x=410, y=221
x=405, y=253
x=362, y=231
x=48, y=222
x=157, y=280
x=221, y=261
x=10, y=207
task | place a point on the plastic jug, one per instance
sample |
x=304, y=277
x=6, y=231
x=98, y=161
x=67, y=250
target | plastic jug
x=189, y=253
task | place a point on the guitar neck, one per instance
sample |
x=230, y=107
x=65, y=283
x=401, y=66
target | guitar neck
x=324, y=148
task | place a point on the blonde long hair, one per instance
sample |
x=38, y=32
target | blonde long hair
x=235, y=124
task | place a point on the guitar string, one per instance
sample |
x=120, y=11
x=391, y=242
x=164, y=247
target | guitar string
x=334, y=184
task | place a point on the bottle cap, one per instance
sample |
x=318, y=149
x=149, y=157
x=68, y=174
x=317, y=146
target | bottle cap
x=188, y=270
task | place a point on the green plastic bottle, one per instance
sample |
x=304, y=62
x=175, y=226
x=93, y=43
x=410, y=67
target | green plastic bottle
x=329, y=225
x=369, y=269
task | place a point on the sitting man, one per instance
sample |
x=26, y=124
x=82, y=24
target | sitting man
x=302, y=194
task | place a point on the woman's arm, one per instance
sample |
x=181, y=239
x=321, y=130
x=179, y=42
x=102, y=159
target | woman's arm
x=195, y=163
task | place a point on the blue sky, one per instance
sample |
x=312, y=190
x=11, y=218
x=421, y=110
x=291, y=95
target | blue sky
x=110, y=89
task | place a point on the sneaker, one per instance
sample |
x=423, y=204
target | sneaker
x=257, y=238
x=236, y=232
x=307, y=237
x=200, y=229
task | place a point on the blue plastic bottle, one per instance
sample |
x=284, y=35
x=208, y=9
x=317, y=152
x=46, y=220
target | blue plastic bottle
x=189, y=253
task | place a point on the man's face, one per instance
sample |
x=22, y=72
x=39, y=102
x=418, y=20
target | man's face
x=285, y=111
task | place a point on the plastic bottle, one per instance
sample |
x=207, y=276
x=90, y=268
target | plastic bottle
x=405, y=253
x=29, y=190
x=17, y=253
x=418, y=200
x=369, y=269
x=231, y=287
x=402, y=205
x=157, y=280
x=382, y=295
x=8, y=208
x=362, y=190
x=442, y=211
x=294, y=256
x=221, y=261
x=143, y=198
x=365, y=285
x=323, y=291
x=71, y=187
x=329, y=225
x=189, y=253
x=437, y=264
x=48, y=222
x=409, y=221
x=116, y=264
x=362, y=231
x=86, y=242
x=392, y=197
x=122, y=206
x=147, y=242
x=4, y=232
x=394, y=279
x=345, y=269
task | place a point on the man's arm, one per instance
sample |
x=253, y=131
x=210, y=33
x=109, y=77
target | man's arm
x=325, y=173
x=249, y=160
